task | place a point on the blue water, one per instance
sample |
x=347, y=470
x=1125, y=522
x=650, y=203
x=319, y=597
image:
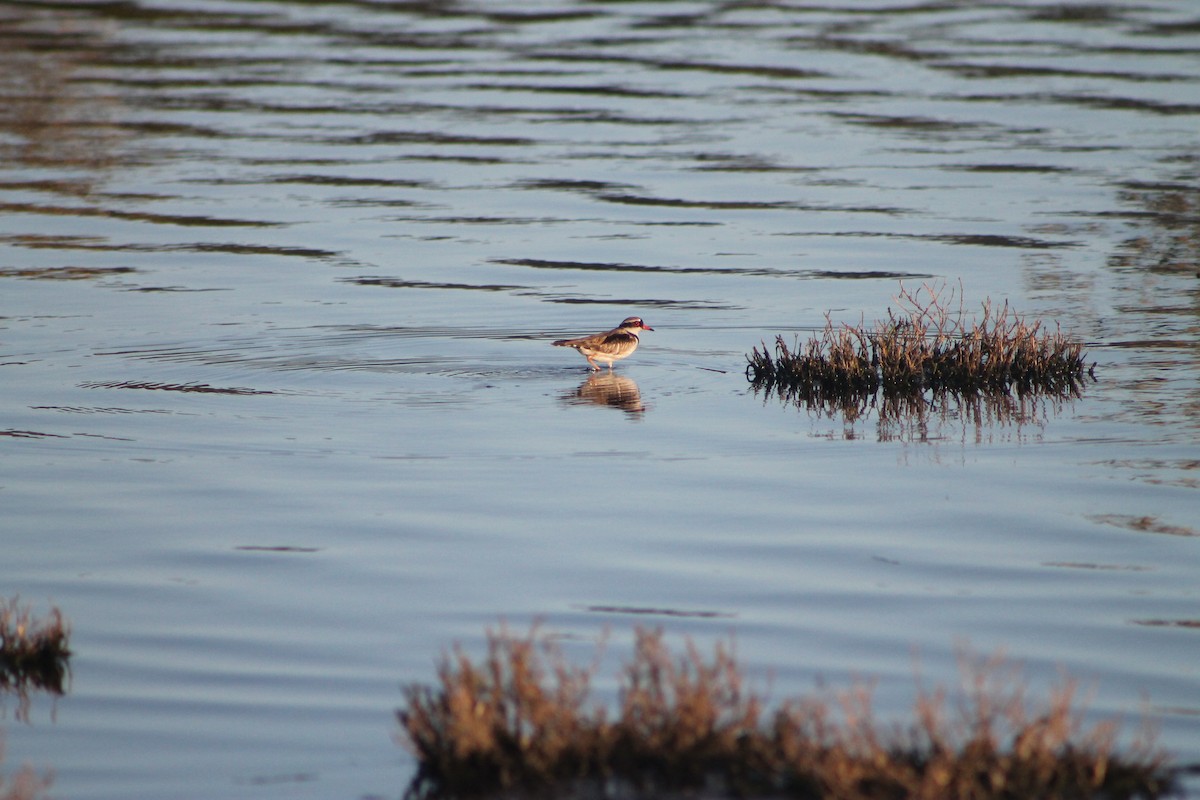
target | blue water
x=281, y=419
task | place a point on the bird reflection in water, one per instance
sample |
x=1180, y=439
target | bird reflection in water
x=608, y=389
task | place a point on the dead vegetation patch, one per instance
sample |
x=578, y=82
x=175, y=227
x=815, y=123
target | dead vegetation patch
x=33, y=652
x=520, y=722
x=926, y=352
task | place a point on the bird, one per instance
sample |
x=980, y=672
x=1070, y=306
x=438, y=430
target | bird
x=609, y=346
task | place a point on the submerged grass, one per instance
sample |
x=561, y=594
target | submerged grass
x=521, y=721
x=924, y=348
x=33, y=655
x=33, y=652
x=31, y=646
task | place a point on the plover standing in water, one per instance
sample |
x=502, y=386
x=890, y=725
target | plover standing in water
x=609, y=346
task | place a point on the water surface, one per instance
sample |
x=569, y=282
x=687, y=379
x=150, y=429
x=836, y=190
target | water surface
x=281, y=421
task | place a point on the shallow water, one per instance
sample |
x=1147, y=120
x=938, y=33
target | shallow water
x=281, y=420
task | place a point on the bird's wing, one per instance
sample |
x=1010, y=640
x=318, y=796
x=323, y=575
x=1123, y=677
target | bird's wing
x=612, y=342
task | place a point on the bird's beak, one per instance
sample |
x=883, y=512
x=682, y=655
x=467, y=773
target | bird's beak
x=646, y=327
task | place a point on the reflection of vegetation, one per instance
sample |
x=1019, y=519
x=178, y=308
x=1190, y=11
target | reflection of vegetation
x=521, y=720
x=45, y=103
x=1172, y=244
x=24, y=785
x=1154, y=333
x=923, y=416
x=923, y=360
x=33, y=652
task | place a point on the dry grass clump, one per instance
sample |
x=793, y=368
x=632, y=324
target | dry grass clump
x=33, y=652
x=923, y=347
x=30, y=646
x=992, y=743
x=521, y=722
x=520, y=718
